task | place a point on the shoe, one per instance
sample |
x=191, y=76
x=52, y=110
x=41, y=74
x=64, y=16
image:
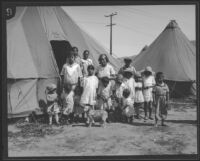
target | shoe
x=145, y=118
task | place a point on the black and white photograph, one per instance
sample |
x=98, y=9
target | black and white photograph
x=101, y=80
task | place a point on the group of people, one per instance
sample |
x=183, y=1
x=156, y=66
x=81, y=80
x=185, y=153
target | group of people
x=88, y=92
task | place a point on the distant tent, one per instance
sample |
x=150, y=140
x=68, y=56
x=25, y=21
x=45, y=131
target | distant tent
x=31, y=61
x=174, y=55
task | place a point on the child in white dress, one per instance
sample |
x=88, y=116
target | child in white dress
x=90, y=85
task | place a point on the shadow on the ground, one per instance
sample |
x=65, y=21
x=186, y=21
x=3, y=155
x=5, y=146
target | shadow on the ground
x=182, y=121
x=142, y=124
x=84, y=125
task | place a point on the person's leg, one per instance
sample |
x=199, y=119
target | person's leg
x=57, y=118
x=145, y=110
x=50, y=119
x=150, y=110
x=136, y=110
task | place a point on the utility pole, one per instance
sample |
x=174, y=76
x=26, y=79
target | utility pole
x=111, y=24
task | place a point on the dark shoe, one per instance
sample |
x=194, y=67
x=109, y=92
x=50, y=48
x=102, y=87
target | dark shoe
x=150, y=118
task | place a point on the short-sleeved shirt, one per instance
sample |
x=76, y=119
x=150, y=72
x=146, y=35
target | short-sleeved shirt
x=71, y=73
x=139, y=98
x=161, y=90
x=85, y=64
x=130, y=84
x=106, y=71
x=121, y=70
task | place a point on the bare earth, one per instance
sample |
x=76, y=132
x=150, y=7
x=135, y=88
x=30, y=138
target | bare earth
x=139, y=138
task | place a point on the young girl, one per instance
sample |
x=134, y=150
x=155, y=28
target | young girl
x=52, y=105
x=127, y=107
x=68, y=103
x=118, y=96
x=148, y=84
x=139, y=98
x=161, y=99
x=90, y=85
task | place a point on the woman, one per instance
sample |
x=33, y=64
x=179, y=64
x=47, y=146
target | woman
x=105, y=69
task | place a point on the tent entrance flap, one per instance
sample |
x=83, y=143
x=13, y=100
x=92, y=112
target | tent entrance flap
x=61, y=49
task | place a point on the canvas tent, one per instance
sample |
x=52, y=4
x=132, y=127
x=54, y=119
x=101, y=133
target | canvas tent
x=173, y=54
x=31, y=62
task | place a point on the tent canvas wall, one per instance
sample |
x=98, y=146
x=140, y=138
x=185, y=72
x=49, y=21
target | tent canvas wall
x=31, y=63
x=173, y=54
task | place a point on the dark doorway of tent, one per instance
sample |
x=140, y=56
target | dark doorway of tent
x=61, y=49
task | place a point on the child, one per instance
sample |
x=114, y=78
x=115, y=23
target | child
x=128, y=109
x=139, y=98
x=118, y=96
x=129, y=81
x=78, y=110
x=90, y=85
x=104, y=93
x=71, y=72
x=86, y=62
x=52, y=104
x=68, y=103
x=148, y=84
x=161, y=99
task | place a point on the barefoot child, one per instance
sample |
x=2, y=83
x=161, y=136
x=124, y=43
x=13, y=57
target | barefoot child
x=127, y=107
x=118, y=96
x=90, y=85
x=148, y=84
x=52, y=103
x=68, y=103
x=104, y=94
x=161, y=99
x=139, y=98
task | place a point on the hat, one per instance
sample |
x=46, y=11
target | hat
x=51, y=87
x=138, y=75
x=128, y=70
x=149, y=69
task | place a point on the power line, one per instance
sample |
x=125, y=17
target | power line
x=111, y=24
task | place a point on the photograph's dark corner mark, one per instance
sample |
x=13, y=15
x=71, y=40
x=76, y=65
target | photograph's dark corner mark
x=86, y=81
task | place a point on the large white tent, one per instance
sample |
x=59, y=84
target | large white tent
x=31, y=63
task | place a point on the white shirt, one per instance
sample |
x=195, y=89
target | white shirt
x=85, y=64
x=130, y=84
x=139, y=98
x=71, y=73
x=106, y=71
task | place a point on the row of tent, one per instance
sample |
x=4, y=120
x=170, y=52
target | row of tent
x=39, y=37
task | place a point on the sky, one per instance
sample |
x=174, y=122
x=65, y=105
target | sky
x=136, y=25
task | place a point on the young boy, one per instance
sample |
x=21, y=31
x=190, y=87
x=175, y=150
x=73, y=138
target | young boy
x=71, y=72
x=118, y=96
x=104, y=94
x=139, y=98
x=68, y=103
x=148, y=84
x=127, y=107
x=90, y=85
x=161, y=99
x=86, y=61
x=52, y=105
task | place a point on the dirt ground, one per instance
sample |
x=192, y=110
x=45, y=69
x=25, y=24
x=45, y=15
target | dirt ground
x=139, y=138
